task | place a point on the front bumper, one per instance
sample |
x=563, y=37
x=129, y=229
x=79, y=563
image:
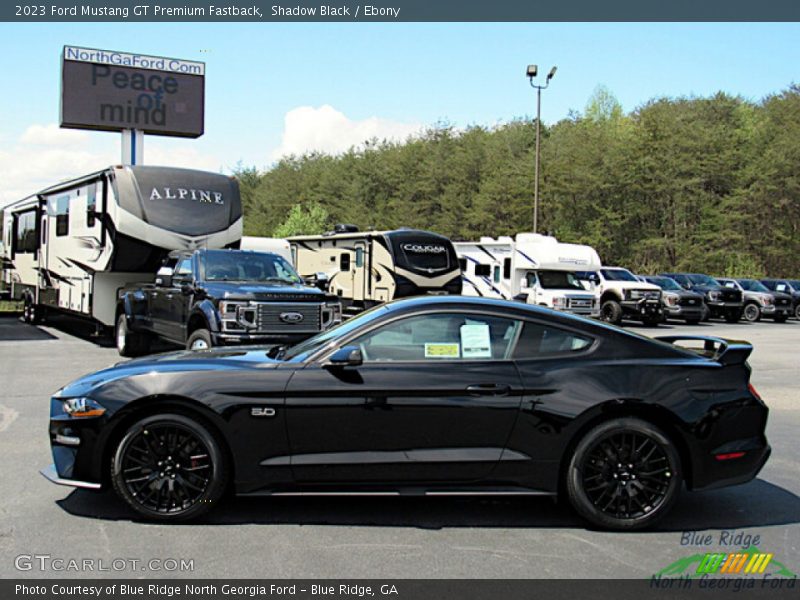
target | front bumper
x=683, y=312
x=51, y=474
x=256, y=339
x=641, y=308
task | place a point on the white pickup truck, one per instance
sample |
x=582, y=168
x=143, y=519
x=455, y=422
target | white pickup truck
x=621, y=295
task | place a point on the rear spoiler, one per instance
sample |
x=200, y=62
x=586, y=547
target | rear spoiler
x=725, y=352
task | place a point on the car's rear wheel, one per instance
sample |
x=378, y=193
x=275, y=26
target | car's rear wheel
x=752, y=313
x=169, y=467
x=130, y=343
x=611, y=312
x=624, y=474
x=199, y=340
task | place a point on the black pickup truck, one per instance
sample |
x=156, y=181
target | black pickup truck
x=207, y=298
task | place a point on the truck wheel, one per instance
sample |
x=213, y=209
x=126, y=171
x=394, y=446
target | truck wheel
x=30, y=312
x=611, y=312
x=797, y=312
x=199, y=340
x=130, y=343
x=751, y=313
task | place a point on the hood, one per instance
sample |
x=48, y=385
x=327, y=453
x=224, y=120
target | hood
x=631, y=285
x=231, y=358
x=683, y=293
x=292, y=292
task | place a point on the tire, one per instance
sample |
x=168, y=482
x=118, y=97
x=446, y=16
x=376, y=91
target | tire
x=200, y=340
x=706, y=315
x=130, y=343
x=644, y=452
x=797, y=312
x=169, y=467
x=31, y=313
x=611, y=312
x=751, y=313
x=693, y=321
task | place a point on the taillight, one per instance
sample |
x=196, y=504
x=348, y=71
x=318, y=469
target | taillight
x=754, y=392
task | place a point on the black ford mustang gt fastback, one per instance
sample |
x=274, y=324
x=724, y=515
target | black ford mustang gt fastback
x=433, y=395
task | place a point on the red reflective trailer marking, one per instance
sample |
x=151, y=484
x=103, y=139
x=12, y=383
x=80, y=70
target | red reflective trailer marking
x=729, y=455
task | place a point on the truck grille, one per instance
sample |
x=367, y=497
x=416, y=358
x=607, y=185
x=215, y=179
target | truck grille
x=580, y=303
x=289, y=317
x=690, y=301
x=781, y=301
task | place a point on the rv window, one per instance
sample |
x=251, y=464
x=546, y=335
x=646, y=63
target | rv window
x=507, y=268
x=530, y=279
x=62, y=216
x=497, y=274
x=91, y=205
x=462, y=264
x=359, y=257
x=483, y=270
x=26, y=232
x=344, y=261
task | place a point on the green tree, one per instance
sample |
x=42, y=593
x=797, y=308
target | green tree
x=311, y=219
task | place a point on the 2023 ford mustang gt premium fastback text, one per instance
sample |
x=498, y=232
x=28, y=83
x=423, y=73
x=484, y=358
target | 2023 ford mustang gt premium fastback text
x=433, y=395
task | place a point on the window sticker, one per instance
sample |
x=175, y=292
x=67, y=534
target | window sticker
x=442, y=351
x=475, y=341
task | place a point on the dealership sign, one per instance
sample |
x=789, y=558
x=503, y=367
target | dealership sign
x=115, y=91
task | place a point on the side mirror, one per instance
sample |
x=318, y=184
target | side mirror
x=347, y=356
x=164, y=277
x=320, y=280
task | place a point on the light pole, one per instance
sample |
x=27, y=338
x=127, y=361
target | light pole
x=531, y=72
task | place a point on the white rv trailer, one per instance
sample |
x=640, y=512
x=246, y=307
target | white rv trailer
x=72, y=246
x=278, y=246
x=365, y=268
x=534, y=268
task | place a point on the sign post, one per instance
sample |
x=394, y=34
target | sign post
x=132, y=147
x=134, y=94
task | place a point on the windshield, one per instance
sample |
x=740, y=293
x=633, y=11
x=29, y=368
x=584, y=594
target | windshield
x=665, y=283
x=703, y=280
x=559, y=280
x=618, y=275
x=232, y=265
x=318, y=341
x=795, y=283
x=751, y=285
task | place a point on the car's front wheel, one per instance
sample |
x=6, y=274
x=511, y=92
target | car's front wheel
x=130, y=343
x=752, y=313
x=797, y=312
x=624, y=474
x=199, y=340
x=611, y=312
x=169, y=467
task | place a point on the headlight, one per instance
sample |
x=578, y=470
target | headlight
x=766, y=300
x=228, y=308
x=671, y=299
x=714, y=296
x=83, y=407
x=559, y=302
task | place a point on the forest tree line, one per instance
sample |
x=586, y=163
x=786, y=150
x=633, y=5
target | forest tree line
x=701, y=184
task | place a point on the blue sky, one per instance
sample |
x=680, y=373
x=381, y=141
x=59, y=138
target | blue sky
x=379, y=78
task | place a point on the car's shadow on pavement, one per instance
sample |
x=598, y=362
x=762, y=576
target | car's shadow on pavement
x=756, y=504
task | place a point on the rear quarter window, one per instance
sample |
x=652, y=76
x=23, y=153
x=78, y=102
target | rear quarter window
x=539, y=340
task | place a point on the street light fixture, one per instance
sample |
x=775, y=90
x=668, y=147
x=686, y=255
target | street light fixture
x=531, y=73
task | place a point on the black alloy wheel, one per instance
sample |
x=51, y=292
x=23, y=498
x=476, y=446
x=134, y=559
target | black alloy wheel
x=625, y=474
x=611, y=312
x=169, y=467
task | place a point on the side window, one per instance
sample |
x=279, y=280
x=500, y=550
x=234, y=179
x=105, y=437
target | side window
x=440, y=337
x=496, y=274
x=184, y=268
x=359, y=257
x=530, y=279
x=344, y=261
x=91, y=204
x=483, y=270
x=462, y=264
x=507, y=268
x=545, y=340
x=62, y=216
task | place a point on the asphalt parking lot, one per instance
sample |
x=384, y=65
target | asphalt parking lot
x=372, y=537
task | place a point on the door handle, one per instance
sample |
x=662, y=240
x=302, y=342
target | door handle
x=489, y=389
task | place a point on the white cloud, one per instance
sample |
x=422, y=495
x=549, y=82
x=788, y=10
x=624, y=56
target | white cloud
x=52, y=135
x=325, y=129
x=46, y=154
